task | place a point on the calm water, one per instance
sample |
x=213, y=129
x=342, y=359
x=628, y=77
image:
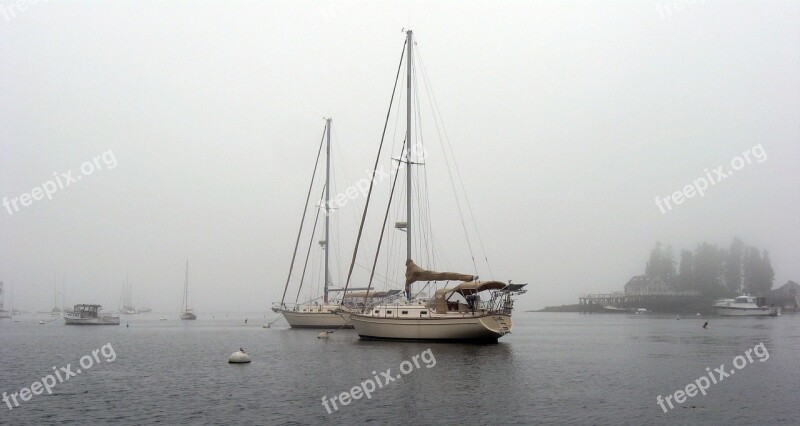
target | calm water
x=554, y=369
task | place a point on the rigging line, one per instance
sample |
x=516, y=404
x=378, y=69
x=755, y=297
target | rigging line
x=435, y=108
x=355, y=201
x=308, y=253
x=320, y=272
x=333, y=270
x=390, y=256
x=394, y=131
x=383, y=228
x=303, y=219
x=374, y=169
x=452, y=154
x=423, y=198
x=379, y=275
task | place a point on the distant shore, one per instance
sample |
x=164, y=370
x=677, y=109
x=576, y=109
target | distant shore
x=562, y=308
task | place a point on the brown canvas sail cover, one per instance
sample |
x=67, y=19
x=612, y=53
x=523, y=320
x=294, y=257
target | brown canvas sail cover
x=414, y=273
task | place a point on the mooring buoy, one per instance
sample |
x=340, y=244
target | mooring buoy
x=239, y=357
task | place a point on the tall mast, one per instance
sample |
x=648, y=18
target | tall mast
x=186, y=289
x=327, y=201
x=410, y=44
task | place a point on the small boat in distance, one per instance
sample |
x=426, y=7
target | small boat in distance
x=746, y=306
x=616, y=309
x=89, y=315
x=187, y=313
x=126, y=299
x=3, y=313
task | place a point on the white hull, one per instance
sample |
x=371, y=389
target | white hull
x=317, y=319
x=5, y=315
x=749, y=312
x=103, y=320
x=188, y=316
x=486, y=327
x=746, y=306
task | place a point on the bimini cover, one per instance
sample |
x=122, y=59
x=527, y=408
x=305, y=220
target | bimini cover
x=471, y=287
x=464, y=289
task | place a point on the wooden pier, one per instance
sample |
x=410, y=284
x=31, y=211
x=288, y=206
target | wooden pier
x=656, y=303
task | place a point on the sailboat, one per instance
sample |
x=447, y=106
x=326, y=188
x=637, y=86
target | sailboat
x=56, y=312
x=3, y=313
x=127, y=299
x=458, y=313
x=326, y=314
x=187, y=313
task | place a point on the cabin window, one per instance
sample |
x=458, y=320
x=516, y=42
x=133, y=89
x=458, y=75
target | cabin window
x=377, y=311
x=423, y=312
x=405, y=312
x=388, y=312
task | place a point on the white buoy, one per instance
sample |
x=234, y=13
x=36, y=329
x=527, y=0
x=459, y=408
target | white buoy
x=323, y=335
x=266, y=326
x=41, y=321
x=239, y=357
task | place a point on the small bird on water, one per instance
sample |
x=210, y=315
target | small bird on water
x=705, y=325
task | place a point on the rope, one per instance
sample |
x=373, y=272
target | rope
x=310, y=243
x=380, y=239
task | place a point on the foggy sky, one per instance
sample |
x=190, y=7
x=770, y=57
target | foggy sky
x=567, y=120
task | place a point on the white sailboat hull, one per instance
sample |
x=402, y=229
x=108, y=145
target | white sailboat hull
x=484, y=327
x=298, y=319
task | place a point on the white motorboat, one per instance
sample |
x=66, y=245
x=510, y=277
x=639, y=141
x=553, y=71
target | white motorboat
x=746, y=306
x=90, y=315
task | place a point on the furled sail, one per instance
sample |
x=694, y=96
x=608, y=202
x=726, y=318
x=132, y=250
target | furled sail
x=414, y=273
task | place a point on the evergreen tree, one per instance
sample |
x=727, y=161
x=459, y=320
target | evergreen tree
x=708, y=270
x=733, y=266
x=668, y=272
x=753, y=266
x=654, y=265
x=686, y=273
x=768, y=274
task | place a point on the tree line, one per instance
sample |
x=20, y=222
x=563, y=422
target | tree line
x=714, y=271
